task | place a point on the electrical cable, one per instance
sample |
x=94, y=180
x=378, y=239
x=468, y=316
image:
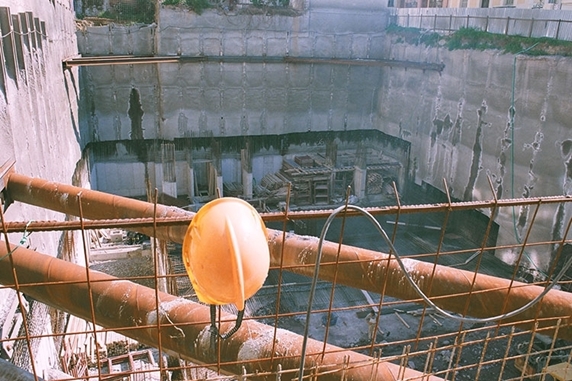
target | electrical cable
x=418, y=290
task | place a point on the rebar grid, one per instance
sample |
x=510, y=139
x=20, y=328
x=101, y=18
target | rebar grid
x=419, y=338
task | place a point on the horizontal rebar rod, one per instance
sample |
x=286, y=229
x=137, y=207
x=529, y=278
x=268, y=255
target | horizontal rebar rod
x=130, y=60
x=360, y=268
x=131, y=309
x=322, y=213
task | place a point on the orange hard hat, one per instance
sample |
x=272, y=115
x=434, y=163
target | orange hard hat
x=225, y=252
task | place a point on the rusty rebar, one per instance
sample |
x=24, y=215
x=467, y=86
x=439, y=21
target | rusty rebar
x=360, y=268
x=132, y=310
x=133, y=60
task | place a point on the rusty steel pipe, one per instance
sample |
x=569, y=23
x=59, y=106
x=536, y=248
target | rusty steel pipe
x=95, y=205
x=131, y=310
x=359, y=268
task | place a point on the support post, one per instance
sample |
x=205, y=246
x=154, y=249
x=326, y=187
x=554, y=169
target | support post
x=169, y=184
x=246, y=170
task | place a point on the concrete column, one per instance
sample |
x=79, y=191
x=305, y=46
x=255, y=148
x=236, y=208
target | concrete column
x=191, y=182
x=169, y=183
x=360, y=182
x=246, y=165
x=155, y=175
x=219, y=184
x=188, y=168
x=247, y=184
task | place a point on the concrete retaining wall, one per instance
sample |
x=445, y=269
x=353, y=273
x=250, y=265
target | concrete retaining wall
x=456, y=120
x=203, y=99
x=458, y=125
x=39, y=126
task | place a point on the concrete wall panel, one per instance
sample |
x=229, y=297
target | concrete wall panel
x=210, y=91
x=211, y=45
x=320, y=100
x=254, y=99
x=360, y=45
x=263, y=165
x=98, y=41
x=193, y=99
x=325, y=46
x=212, y=75
x=298, y=100
x=337, y=117
x=322, y=77
x=301, y=45
x=275, y=99
x=233, y=100
x=171, y=42
x=319, y=121
x=340, y=77
x=360, y=77
x=142, y=41
x=232, y=126
x=299, y=122
x=255, y=76
x=474, y=92
x=212, y=99
x=232, y=75
x=231, y=171
x=255, y=45
x=342, y=46
x=120, y=42
x=103, y=74
x=189, y=45
x=275, y=76
x=277, y=45
x=186, y=75
x=122, y=75
x=171, y=75
x=182, y=174
x=299, y=76
x=376, y=47
x=234, y=46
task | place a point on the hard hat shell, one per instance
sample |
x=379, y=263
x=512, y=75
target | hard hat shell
x=225, y=252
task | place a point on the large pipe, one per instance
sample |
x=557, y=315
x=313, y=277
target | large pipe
x=131, y=309
x=359, y=268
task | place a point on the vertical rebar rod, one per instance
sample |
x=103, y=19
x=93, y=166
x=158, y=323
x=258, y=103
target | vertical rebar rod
x=335, y=278
x=387, y=267
x=520, y=255
x=157, y=283
x=280, y=270
x=435, y=262
x=506, y=352
x=90, y=294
